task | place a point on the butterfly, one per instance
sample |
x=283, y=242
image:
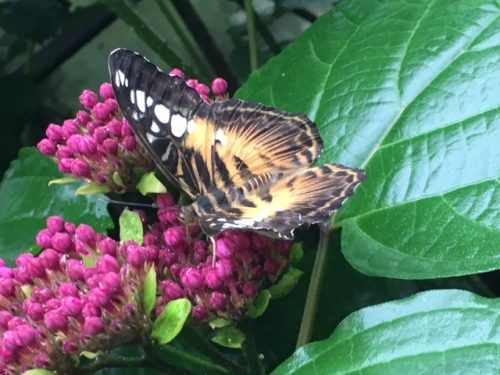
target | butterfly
x=245, y=166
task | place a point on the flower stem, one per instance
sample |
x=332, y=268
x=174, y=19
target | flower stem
x=250, y=352
x=252, y=35
x=131, y=18
x=313, y=293
x=188, y=43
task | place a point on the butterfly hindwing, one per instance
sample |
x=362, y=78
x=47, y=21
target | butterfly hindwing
x=282, y=202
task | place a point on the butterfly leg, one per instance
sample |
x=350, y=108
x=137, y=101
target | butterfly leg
x=214, y=252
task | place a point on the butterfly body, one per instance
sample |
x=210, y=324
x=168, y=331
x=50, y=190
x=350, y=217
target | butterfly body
x=245, y=165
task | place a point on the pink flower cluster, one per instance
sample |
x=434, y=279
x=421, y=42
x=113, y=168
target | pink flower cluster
x=81, y=293
x=218, y=87
x=225, y=287
x=98, y=144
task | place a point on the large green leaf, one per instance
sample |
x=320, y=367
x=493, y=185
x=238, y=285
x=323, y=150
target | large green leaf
x=436, y=332
x=408, y=91
x=27, y=200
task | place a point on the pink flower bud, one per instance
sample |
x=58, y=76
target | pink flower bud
x=71, y=306
x=200, y=312
x=111, y=105
x=42, y=294
x=165, y=200
x=34, y=310
x=54, y=133
x=115, y=128
x=5, y=317
x=55, y=224
x=7, y=355
x=64, y=152
x=224, y=247
x=50, y=259
x=108, y=246
x=151, y=253
x=44, y=238
x=92, y=126
x=25, y=334
x=88, y=98
x=219, y=86
x=224, y=268
x=75, y=269
x=106, y=90
x=135, y=255
x=6, y=272
x=69, y=346
x=212, y=279
x=47, y=147
x=107, y=264
x=112, y=282
x=68, y=290
x=218, y=300
x=86, y=234
x=62, y=242
x=70, y=228
x=93, y=325
x=15, y=322
x=82, y=118
x=52, y=304
x=175, y=236
x=129, y=143
x=191, y=278
x=250, y=289
x=55, y=320
x=241, y=240
x=100, y=134
x=169, y=215
x=203, y=89
x=23, y=260
x=126, y=129
x=98, y=297
x=167, y=257
x=192, y=83
x=110, y=146
x=259, y=242
x=176, y=73
x=90, y=310
x=64, y=165
x=171, y=289
x=10, y=340
x=69, y=128
x=101, y=111
x=7, y=287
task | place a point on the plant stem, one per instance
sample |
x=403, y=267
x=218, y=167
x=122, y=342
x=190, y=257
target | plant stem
x=250, y=352
x=252, y=35
x=186, y=40
x=313, y=293
x=108, y=361
x=148, y=36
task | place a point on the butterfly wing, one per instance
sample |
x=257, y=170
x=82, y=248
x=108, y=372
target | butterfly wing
x=201, y=146
x=281, y=202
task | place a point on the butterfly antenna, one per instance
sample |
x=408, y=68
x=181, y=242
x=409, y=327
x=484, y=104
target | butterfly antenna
x=134, y=204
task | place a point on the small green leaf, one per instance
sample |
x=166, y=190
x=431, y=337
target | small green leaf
x=88, y=261
x=26, y=290
x=259, y=304
x=297, y=252
x=229, y=337
x=91, y=189
x=131, y=227
x=63, y=180
x=172, y=319
x=286, y=283
x=38, y=371
x=35, y=250
x=89, y=355
x=150, y=290
x=150, y=184
x=117, y=179
x=219, y=323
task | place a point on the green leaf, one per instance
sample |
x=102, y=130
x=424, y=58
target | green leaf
x=436, y=332
x=131, y=226
x=28, y=201
x=219, y=323
x=172, y=319
x=150, y=290
x=297, y=252
x=259, y=304
x=286, y=283
x=149, y=183
x=408, y=91
x=91, y=188
x=229, y=337
x=38, y=371
x=117, y=179
x=63, y=181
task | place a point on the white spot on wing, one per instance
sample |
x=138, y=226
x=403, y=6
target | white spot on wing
x=120, y=76
x=220, y=136
x=151, y=137
x=191, y=126
x=126, y=82
x=141, y=100
x=167, y=152
x=245, y=222
x=178, y=125
x=117, y=79
x=162, y=113
x=135, y=116
x=149, y=101
x=132, y=96
x=154, y=127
